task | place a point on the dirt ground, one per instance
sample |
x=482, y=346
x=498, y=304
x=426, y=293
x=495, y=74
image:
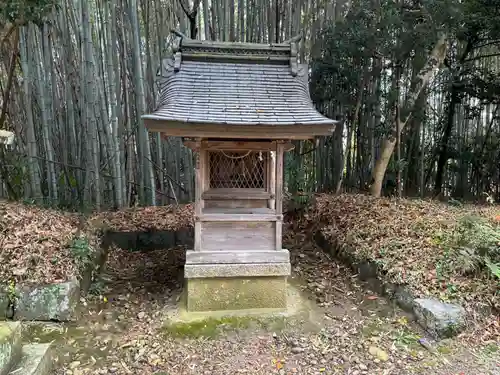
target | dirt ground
x=357, y=332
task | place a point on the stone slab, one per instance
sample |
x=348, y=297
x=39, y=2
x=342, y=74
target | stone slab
x=36, y=360
x=10, y=345
x=442, y=320
x=235, y=257
x=193, y=271
x=215, y=294
x=4, y=304
x=49, y=302
x=149, y=240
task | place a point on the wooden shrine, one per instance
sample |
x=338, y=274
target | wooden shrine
x=237, y=106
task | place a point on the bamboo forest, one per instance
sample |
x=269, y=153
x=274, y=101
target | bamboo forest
x=414, y=84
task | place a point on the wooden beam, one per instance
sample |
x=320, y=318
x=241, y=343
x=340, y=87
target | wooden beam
x=238, y=217
x=230, y=194
x=246, y=145
x=234, y=57
x=184, y=129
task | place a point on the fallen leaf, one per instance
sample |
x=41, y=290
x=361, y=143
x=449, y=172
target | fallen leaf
x=379, y=353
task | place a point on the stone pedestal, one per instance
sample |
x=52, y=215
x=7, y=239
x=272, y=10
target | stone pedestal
x=236, y=286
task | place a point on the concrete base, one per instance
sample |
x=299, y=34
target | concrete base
x=300, y=311
x=236, y=280
x=236, y=293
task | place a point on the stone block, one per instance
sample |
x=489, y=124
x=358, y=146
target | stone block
x=10, y=345
x=442, y=320
x=4, y=304
x=237, y=257
x=37, y=359
x=236, y=293
x=49, y=302
x=192, y=271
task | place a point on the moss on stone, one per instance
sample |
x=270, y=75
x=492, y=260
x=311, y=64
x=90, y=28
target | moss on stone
x=10, y=344
x=5, y=333
x=43, y=333
x=212, y=327
x=236, y=293
x=48, y=302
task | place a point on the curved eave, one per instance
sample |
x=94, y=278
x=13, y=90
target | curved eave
x=255, y=130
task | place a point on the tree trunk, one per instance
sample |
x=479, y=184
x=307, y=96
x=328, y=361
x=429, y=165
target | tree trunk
x=33, y=168
x=443, y=152
x=140, y=101
x=433, y=62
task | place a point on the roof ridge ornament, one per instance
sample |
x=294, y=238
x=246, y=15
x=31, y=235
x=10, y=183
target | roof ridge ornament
x=177, y=50
x=293, y=59
x=179, y=34
x=293, y=53
x=177, y=61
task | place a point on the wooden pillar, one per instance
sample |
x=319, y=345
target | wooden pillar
x=271, y=179
x=198, y=191
x=279, y=192
x=204, y=173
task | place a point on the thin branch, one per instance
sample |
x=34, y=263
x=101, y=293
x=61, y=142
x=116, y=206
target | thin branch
x=185, y=7
x=295, y=39
x=492, y=42
x=179, y=34
x=483, y=57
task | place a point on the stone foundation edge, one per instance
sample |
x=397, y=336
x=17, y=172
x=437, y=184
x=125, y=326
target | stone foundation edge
x=439, y=319
x=195, y=271
x=237, y=257
x=236, y=293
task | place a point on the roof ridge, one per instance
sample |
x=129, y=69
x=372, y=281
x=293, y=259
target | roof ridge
x=237, y=52
x=242, y=45
x=194, y=49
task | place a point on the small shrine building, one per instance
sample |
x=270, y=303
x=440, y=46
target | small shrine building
x=237, y=106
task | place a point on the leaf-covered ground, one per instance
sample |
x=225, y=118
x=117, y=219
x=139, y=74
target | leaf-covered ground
x=121, y=330
x=427, y=245
x=145, y=219
x=36, y=243
x=355, y=333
